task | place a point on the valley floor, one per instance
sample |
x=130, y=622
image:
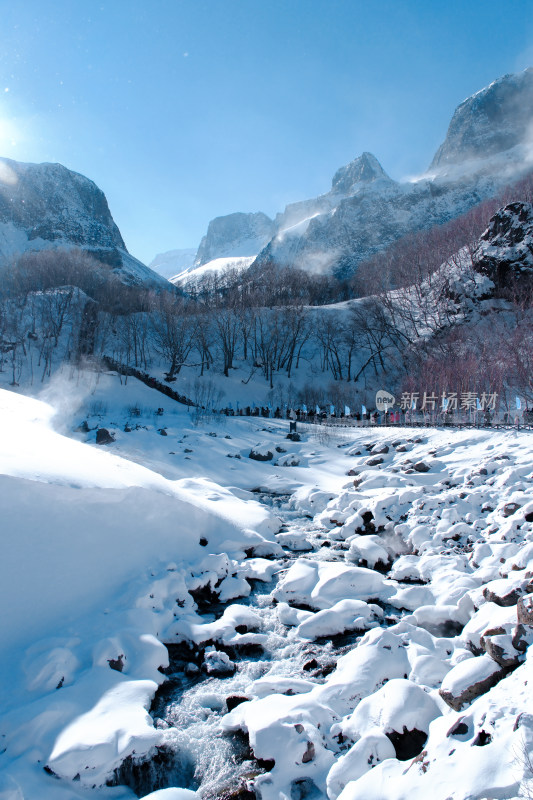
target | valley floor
x=215, y=610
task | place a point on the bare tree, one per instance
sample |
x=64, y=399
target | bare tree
x=173, y=332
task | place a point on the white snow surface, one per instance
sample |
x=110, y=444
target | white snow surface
x=103, y=546
x=220, y=267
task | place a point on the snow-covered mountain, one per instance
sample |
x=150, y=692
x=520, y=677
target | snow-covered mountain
x=234, y=235
x=491, y=121
x=48, y=206
x=173, y=262
x=487, y=145
x=221, y=267
x=231, y=243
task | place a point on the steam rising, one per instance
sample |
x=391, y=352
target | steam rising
x=7, y=175
x=66, y=393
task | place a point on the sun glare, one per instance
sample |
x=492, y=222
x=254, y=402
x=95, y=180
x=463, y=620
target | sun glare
x=9, y=137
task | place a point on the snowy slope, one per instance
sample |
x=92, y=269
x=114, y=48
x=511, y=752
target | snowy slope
x=217, y=265
x=85, y=530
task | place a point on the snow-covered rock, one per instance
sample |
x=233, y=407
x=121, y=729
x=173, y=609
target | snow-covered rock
x=505, y=250
x=346, y=615
x=469, y=679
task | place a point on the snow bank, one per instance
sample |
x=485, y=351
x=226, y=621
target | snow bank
x=95, y=554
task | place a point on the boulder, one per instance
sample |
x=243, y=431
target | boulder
x=234, y=700
x=510, y=508
x=503, y=592
x=501, y=649
x=294, y=437
x=104, y=437
x=470, y=679
x=374, y=462
x=218, y=663
x=261, y=453
x=524, y=610
x=288, y=460
x=522, y=636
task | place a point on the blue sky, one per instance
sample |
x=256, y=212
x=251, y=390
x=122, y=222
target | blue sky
x=183, y=110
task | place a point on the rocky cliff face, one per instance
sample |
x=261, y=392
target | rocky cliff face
x=234, y=235
x=492, y=121
x=505, y=250
x=48, y=205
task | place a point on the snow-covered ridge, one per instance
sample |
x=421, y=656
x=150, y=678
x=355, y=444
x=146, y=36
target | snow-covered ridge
x=173, y=262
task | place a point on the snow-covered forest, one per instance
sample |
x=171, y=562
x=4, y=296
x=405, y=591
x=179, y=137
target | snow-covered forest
x=425, y=312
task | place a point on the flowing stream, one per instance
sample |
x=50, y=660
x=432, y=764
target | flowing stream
x=189, y=706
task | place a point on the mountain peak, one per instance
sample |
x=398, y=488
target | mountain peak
x=364, y=169
x=237, y=234
x=50, y=206
x=491, y=121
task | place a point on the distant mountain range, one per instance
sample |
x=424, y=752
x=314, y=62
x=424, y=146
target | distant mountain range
x=173, y=262
x=488, y=145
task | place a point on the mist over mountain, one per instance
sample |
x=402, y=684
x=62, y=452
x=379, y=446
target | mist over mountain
x=487, y=146
x=45, y=206
x=491, y=121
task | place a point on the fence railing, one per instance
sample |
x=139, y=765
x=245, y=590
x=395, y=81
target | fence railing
x=497, y=420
